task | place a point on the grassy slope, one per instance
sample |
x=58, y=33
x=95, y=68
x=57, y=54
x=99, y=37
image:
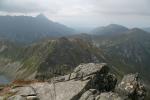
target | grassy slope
x=48, y=58
x=126, y=53
x=66, y=55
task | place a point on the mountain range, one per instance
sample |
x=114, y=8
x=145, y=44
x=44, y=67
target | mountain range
x=129, y=51
x=27, y=29
x=112, y=29
x=57, y=51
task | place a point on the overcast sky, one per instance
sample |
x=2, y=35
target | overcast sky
x=84, y=13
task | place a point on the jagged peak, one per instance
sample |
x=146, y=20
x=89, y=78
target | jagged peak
x=41, y=16
x=112, y=26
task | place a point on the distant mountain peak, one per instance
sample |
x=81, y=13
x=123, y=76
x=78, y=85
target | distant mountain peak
x=110, y=29
x=26, y=29
x=115, y=25
x=41, y=16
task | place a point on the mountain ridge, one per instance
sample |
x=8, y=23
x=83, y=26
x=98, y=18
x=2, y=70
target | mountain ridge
x=111, y=29
x=130, y=49
x=28, y=29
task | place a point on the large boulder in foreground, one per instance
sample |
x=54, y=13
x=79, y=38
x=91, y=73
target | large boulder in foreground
x=131, y=87
x=84, y=77
x=84, y=70
x=98, y=76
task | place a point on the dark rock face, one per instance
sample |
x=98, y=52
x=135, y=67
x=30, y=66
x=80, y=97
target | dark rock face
x=131, y=87
x=87, y=82
x=104, y=82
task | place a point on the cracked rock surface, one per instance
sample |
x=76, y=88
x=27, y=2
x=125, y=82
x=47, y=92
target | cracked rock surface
x=87, y=82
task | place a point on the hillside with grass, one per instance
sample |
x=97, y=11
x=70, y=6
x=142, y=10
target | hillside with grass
x=49, y=58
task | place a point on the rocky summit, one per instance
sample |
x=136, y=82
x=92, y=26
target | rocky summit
x=91, y=81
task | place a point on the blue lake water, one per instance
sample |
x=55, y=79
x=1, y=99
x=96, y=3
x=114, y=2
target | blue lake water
x=3, y=79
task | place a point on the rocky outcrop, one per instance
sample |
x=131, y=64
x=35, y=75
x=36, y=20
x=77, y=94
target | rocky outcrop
x=131, y=87
x=87, y=82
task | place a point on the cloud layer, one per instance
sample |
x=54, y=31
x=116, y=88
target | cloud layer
x=73, y=12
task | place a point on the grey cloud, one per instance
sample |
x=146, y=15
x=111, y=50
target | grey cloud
x=123, y=13
x=122, y=7
x=24, y=6
x=8, y=6
x=112, y=7
x=94, y=12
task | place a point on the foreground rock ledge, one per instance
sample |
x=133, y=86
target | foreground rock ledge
x=87, y=82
